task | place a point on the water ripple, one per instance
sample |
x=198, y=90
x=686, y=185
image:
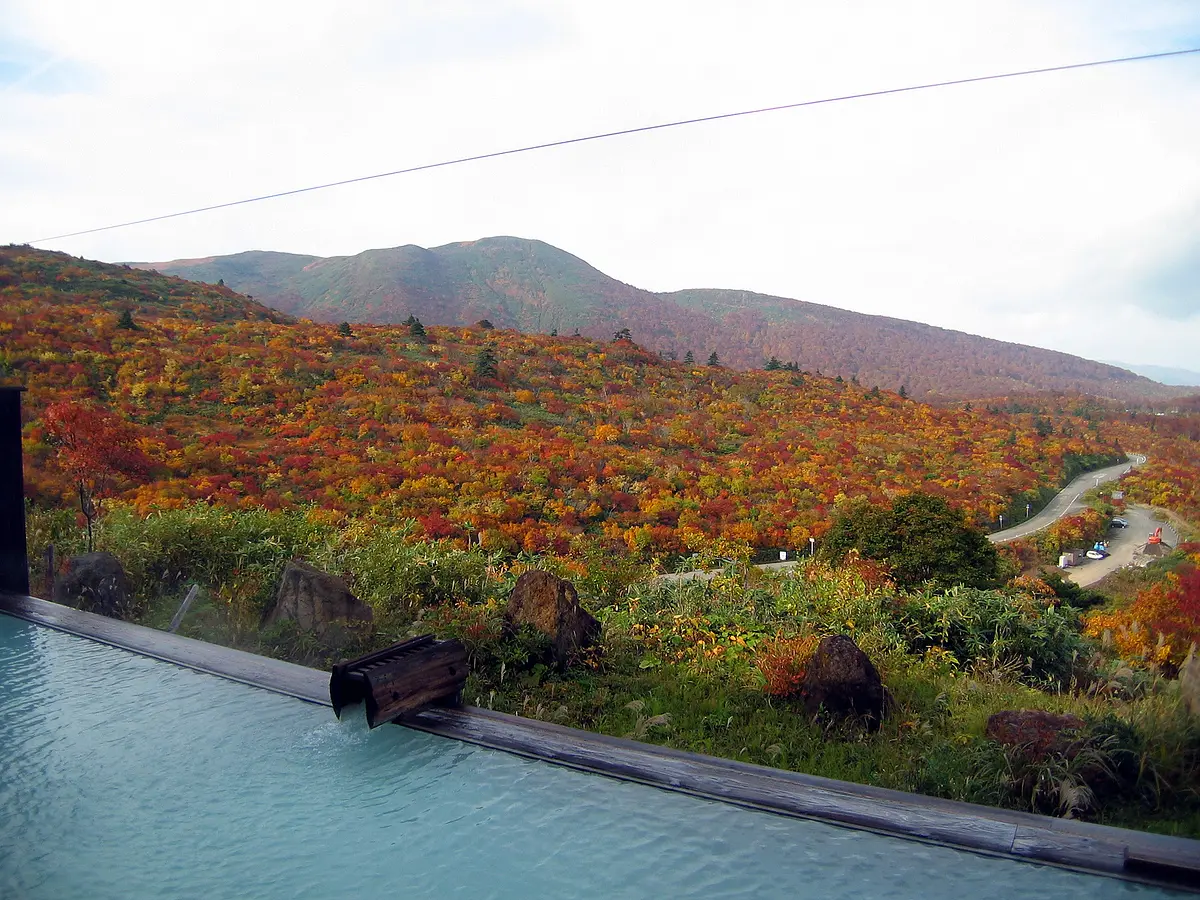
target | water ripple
x=124, y=777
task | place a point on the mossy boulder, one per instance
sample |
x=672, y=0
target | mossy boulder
x=95, y=582
x=551, y=605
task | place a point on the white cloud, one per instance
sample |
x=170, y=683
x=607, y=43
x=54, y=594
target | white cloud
x=1039, y=210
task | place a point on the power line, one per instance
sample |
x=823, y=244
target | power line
x=625, y=131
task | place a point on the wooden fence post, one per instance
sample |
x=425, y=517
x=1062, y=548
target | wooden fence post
x=14, y=564
x=177, y=619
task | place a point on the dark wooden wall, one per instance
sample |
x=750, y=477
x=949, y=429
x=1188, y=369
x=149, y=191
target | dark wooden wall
x=14, y=566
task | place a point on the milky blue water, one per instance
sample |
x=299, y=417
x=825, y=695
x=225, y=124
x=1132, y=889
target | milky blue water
x=125, y=777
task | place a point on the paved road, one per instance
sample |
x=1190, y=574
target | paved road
x=1067, y=500
x=710, y=574
x=1122, y=543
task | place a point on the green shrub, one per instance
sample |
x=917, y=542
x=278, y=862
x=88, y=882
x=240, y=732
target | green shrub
x=844, y=599
x=399, y=577
x=50, y=527
x=238, y=555
x=995, y=626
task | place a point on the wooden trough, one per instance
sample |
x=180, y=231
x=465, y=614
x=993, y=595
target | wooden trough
x=402, y=678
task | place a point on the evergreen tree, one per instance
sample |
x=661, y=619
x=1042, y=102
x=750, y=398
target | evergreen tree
x=713, y=359
x=623, y=334
x=126, y=320
x=484, y=324
x=773, y=364
x=689, y=358
x=416, y=329
x=903, y=392
x=485, y=362
x=344, y=330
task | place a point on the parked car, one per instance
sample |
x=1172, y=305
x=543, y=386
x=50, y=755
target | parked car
x=1118, y=522
x=1096, y=554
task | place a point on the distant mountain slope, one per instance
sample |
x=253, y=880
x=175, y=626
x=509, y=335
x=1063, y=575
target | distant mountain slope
x=58, y=278
x=1164, y=374
x=534, y=287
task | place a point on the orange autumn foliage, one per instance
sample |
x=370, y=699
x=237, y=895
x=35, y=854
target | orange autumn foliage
x=1162, y=624
x=783, y=662
x=243, y=407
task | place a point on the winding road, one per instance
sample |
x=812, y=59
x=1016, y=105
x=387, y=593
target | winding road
x=1123, y=542
x=1067, y=500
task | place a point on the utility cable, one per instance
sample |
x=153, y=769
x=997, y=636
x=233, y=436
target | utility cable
x=625, y=131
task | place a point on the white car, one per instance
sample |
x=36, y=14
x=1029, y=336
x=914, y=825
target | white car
x=1096, y=554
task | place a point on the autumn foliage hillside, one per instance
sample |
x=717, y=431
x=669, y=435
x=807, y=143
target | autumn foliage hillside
x=536, y=288
x=1167, y=434
x=560, y=437
x=29, y=276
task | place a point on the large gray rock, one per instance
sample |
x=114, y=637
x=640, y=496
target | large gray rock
x=840, y=681
x=314, y=600
x=551, y=605
x=94, y=582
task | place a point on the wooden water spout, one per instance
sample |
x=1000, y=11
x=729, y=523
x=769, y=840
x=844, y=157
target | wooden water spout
x=405, y=677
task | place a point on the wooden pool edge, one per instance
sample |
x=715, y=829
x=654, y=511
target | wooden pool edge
x=1137, y=856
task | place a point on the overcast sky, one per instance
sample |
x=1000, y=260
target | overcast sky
x=1057, y=210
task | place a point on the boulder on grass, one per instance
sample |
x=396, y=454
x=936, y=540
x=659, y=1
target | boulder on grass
x=842, y=682
x=1036, y=732
x=314, y=600
x=551, y=605
x=94, y=582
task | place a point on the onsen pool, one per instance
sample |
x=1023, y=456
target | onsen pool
x=122, y=776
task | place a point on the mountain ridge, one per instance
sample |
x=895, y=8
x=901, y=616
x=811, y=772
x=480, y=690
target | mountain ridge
x=1169, y=375
x=532, y=286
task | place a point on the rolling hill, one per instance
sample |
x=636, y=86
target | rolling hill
x=519, y=441
x=536, y=288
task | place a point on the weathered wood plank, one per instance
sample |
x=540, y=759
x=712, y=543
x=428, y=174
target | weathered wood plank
x=400, y=679
x=1079, y=845
x=275, y=675
x=758, y=789
x=395, y=650
x=436, y=675
x=1154, y=862
x=1044, y=845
